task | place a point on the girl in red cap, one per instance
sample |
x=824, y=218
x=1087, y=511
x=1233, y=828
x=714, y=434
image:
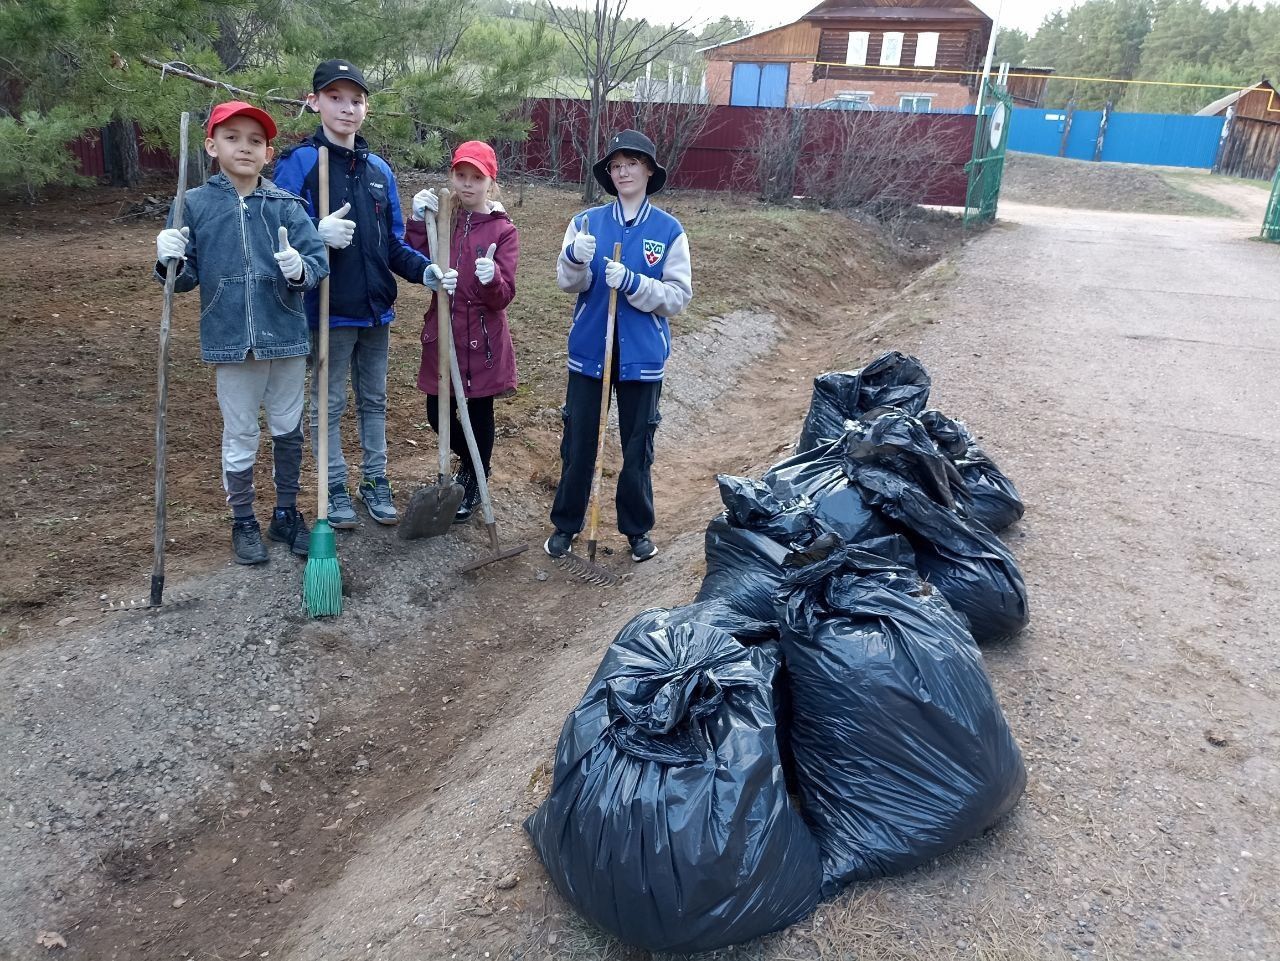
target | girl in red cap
x=485, y=249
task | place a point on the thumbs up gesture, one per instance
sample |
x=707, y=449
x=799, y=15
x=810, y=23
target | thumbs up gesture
x=335, y=230
x=485, y=266
x=288, y=259
x=584, y=244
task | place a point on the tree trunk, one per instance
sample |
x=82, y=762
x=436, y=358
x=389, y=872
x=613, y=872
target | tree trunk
x=590, y=189
x=122, y=155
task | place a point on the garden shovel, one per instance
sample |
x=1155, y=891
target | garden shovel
x=432, y=508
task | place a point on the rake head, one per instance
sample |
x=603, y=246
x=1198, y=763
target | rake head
x=145, y=603
x=589, y=571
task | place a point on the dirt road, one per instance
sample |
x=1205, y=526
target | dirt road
x=362, y=791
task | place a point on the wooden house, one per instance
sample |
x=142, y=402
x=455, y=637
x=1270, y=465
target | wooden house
x=1251, y=140
x=920, y=55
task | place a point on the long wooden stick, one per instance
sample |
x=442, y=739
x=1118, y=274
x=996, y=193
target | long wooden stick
x=605, y=375
x=162, y=375
x=322, y=359
x=444, y=334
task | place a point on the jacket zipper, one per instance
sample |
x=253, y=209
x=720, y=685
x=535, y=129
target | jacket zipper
x=248, y=271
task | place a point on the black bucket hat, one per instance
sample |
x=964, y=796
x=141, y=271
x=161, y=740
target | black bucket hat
x=632, y=141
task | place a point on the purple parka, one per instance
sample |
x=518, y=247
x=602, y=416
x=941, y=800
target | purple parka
x=481, y=336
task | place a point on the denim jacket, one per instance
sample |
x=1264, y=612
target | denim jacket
x=245, y=302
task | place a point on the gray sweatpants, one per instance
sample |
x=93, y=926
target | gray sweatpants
x=244, y=389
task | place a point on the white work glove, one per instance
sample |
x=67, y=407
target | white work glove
x=485, y=266
x=436, y=279
x=584, y=245
x=495, y=207
x=616, y=275
x=335, y=231
x=288, y=259
x=423, y=201
x=171, y=243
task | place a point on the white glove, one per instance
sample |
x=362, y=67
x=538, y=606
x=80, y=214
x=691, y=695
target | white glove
x=335, y=231
x=171, y=243
x=616, y=275
x=436, y=279
x=289, y=260
x=584, y=245
x=485, y=266
x=423, y=201
x=495, y=207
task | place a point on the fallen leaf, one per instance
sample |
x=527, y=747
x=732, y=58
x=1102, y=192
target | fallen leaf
x=334, y=826
x=264, y=787
x=507, y=882
x=67, y=620
x=50, y=939
x=179, y=901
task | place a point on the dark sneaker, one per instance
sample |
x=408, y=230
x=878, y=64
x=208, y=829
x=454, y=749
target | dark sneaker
x=342, y=513
x=642, y=548
x=246, y=542
x=470, y=496
x=288, y=527
x=559, y=543
x=376, y=495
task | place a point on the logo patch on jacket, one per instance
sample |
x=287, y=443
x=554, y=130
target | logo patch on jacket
x=653, y=251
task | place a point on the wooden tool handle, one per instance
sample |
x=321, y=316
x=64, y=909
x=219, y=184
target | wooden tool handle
x=162, y=373
x=321, y=372
x=444, y=330
x=605, y=374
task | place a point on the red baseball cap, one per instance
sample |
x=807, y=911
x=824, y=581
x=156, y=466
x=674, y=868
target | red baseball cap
x=480, y=155
x=235, y=108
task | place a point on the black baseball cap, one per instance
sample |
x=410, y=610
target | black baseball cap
x=331, y=71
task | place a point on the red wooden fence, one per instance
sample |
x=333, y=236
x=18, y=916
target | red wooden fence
x=722, y=157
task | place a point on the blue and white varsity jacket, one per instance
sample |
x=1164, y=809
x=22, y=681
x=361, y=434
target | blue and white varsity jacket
x=656, y=252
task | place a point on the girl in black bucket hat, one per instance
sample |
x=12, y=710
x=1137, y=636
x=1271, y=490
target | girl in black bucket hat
x=652, y=278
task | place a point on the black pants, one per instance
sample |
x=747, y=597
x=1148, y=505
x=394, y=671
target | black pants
x=480, y=410
x=638, y=419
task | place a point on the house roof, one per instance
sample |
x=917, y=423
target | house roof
x=745, y=36
x=1222, y=103
x=950, y=10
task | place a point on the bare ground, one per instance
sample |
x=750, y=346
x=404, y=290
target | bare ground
x=354, y=788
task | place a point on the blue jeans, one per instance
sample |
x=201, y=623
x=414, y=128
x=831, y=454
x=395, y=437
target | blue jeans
x=362, y=352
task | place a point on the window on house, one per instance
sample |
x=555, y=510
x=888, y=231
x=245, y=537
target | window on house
x=891, y=49
x=915, y=102
x=926, y=49
x=857, y=53
x=759, y=85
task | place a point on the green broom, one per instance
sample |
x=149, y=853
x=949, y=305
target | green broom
x=322, y=578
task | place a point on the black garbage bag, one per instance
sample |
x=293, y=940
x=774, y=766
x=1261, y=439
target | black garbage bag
x=899, y=443
x=900, y=748
x=962, y=559
x=992, y=497
x=750, y=545
x=819, y=479
x=892, y=380
x=668, y=822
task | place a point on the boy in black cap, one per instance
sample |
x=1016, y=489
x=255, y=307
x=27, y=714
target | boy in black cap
x=365, y=235
x=652, y=279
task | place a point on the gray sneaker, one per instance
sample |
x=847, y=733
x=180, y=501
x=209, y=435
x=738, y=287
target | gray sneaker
x=376, y=494
x=342, y=513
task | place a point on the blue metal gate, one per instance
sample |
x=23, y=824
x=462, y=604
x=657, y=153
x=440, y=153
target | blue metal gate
x=1164, y=139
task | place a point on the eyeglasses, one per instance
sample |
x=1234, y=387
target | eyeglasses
x=623, y=166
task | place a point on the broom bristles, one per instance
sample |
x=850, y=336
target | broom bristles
x=322, y=578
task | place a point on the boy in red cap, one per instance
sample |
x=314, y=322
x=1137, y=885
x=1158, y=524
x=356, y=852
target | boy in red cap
x=367, y=251
x=485, y=249
x=252, y=249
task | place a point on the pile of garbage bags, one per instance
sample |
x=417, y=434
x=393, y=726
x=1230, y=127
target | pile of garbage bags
x=820, y=714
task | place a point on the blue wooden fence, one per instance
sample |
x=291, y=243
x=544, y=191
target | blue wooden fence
x=1164, y=139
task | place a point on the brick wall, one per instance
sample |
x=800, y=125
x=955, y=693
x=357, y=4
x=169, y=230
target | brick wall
x=802, y=88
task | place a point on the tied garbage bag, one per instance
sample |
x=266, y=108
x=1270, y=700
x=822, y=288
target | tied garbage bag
x=992, y=498
x=900, y=748
x=899, y=444
x=668, y=822
x=962, y=559
x=820, y=477
x=892, y=380
x=750, y=545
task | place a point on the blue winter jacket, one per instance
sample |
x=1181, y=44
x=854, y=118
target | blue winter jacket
x=655, y=251
x=245, y=302
x=362, y=290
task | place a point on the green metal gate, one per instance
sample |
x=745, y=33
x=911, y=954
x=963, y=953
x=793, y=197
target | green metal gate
x=986, y=168
x=1271, y=222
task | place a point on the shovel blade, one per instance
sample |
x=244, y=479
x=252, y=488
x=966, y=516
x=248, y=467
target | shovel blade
x=431, y=511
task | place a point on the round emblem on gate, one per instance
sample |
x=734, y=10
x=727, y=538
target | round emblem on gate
x=998, y=116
